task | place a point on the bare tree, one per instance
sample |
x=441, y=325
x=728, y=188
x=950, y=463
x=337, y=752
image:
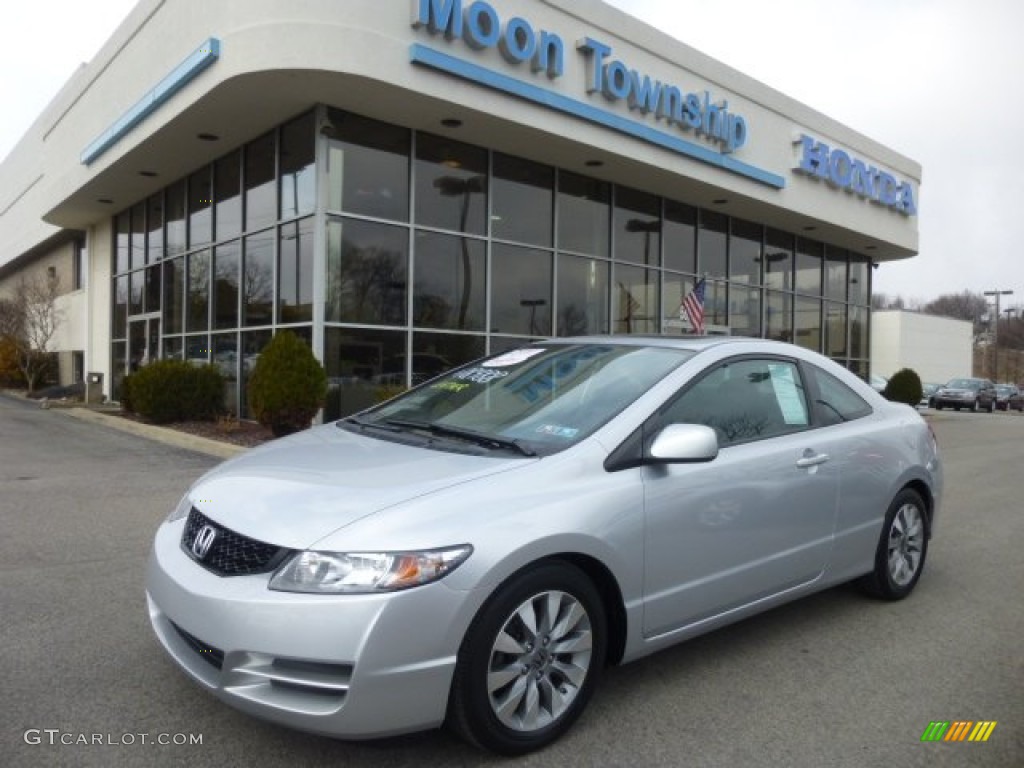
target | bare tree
x=968, y=306
x=30, y=321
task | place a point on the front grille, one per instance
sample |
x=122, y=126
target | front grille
x=212, y=656
x=230, y=553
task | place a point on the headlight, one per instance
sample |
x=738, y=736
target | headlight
x=181, y=510
x=365, y=572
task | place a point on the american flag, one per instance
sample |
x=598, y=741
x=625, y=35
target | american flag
x=693, y=306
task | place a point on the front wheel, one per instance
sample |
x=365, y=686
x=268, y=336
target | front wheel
x=530, y=660
x=902, y=547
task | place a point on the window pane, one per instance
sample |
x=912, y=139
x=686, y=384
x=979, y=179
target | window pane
x=354, y=360
x=835, y=273
x=680, y=237
x=367, y=272
x=716, y=304
x=808, y=323
x=173, y=348
x=119, y=329
x=138, y=235
x=298, y=167
x=152, y=299
x=118, y=360
x=582, y=296
x=451, y=185
x=583, y=214
x=523, y=199
x=744, y=310
x=200, y=198
x=711, y=243
x=175, y=202
x=778, y=260
x=809, y=255
x=778, y=316
x=258, y=279
x=260, y=205
x=253, y=343
x=637, y=227
x=449, y=282
x=174, y=294
x=197, y=349
x=368, y=167
x=835, y=327
x=295, y=273
x=225, y=285
x=198, y=303
x=521, y=291
x=155, y=228
x=674, y=288
x=859, y=332
x=228, y=178
x=135, y=299
x=841, y=403
x=745, y=252
x=123, y=242
x=225, y=358
x=435, y=353
x=859, y=281
x=635, y=300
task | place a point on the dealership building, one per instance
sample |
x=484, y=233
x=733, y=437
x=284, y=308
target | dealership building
x=410, y=184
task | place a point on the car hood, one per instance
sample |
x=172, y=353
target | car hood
x=294, y=492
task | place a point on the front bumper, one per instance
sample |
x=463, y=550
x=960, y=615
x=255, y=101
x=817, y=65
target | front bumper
x=350, y=666
x=954, y=400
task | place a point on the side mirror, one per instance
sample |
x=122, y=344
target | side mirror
x=684, y=443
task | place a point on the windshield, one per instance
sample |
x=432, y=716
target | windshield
x=964, y=384
x=535, y=400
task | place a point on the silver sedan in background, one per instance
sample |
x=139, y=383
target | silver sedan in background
x=475, y=551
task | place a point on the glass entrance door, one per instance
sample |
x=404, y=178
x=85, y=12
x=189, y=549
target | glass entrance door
x=143, y=341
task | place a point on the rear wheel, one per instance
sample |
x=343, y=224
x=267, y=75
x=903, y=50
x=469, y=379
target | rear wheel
x=530, y=660
x=902, y=548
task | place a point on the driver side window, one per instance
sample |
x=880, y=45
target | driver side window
x=743, y=401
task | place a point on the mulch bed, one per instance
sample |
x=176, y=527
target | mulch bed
x=247, y=434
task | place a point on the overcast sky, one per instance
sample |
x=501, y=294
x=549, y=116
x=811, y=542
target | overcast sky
x=941, y=81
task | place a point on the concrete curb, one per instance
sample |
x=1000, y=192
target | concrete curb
x=159, y=434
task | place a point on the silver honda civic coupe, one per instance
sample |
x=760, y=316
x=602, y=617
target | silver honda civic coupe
x=475, y=551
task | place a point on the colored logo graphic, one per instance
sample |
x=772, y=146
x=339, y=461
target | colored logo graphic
x=958, y=730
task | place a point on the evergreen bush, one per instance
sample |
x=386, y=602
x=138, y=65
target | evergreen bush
x=173, y=390
x=288, y=385
x=904, y=387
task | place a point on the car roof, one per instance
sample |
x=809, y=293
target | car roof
x=691, y=343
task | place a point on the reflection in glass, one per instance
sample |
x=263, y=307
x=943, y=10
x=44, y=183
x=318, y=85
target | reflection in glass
x=197, y=349
x=174, y=294
x=680, y=232
x=298, y=167
x=355, y=361
x=744, y=310
x=123, y=242
x=138, y=215
x=253, y=343
x=859, y=281
x=225, y=285
x=197, y=305
x=225, y=360
x=368, y=167
x=778, y=260
x=227, y=173
x=637, y=227
x=260, y=203
x=583, y=214
x=295, y=272
x=635, y=300
x=859, y=332
x=451, y=185
x=521, y=209
x=711, y=243
x=258, y=279
x=716, y=303
x=673, y=289
x=809, y=255
x=155, y=228
x=745, y=252
x=835, y=329
x=807, y=319
x=175, y=216
x=119, y=329
x=135, y=305
x=200, y=203
x=152, y=298
x=835, y=273
x=367, y=272
x=448, y=284
x=435, y=353
x=582, y=296
x=118, y=361
x=778, y=316
x=521, y=291
x=174, y=349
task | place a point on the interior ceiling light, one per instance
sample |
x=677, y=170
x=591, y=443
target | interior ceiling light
x=451, y=122
x=148, y=174
x=208, y=137
x=594, y=163
x=720, y=201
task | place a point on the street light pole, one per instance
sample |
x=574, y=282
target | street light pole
x=995, y=330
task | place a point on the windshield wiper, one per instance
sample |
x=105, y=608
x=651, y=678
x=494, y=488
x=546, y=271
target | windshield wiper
x=488, y=441
x=363, y=424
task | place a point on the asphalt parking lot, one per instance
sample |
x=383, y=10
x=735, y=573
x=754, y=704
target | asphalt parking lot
x=832, y=680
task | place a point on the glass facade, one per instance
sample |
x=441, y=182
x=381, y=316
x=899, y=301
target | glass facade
x=426, y=252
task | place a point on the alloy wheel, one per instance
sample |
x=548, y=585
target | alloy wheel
x=906, y=544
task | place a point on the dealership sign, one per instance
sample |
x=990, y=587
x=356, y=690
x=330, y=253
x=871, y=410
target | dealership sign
x=690, y=114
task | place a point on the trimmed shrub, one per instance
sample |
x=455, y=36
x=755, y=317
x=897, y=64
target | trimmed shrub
x=288, y=385
x=904, y=387
x=173, y=390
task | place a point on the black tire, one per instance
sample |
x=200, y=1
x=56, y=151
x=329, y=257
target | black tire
x=902, y=548
x=473, y=705
x=938, y=407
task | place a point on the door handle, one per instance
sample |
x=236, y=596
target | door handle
x=812, y=461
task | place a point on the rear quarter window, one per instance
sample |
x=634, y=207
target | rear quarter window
x=834, y=401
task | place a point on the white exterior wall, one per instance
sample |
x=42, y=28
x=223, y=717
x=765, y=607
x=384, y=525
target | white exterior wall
x=936, y=348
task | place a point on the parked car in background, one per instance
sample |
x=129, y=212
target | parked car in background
x=927, y=394
x=1009, y=398
x=970, y=393
x=476, y=550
